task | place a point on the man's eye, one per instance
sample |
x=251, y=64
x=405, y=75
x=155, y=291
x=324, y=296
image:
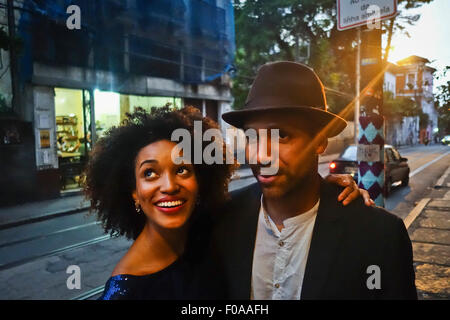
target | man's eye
x=282, y=134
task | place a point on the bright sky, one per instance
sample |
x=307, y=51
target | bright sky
x=430, y=37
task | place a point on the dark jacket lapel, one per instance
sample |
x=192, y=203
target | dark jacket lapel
x=325, y=242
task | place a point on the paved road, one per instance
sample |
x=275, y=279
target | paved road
x=427, y=163
x=34, y=257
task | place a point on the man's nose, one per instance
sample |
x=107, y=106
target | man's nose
x=257, y=151
x=263, y=150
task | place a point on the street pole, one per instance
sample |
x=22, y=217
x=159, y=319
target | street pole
x=358, y=81
x=371, y=121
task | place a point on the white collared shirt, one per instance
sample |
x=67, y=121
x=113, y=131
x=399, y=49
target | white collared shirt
x=279, y=258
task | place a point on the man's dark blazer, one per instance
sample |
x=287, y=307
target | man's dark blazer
x=345, y=242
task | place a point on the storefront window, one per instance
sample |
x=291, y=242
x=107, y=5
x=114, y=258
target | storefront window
x=111, y=107
x=5, y=82
x=107, y=111
x=72, y=135
x=73, y=124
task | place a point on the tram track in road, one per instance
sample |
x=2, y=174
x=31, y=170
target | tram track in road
x=37, y=254
x=6, y=244
x=33, y=241
x=46, y=276
x=90, y=293
x=54, y=252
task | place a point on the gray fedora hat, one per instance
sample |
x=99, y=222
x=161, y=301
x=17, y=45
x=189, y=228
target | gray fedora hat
x=288, y=86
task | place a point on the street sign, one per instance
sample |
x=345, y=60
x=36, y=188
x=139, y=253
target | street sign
x=368, y=152
x=355, y=13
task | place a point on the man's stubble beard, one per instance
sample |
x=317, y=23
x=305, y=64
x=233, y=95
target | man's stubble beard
x=291, y=184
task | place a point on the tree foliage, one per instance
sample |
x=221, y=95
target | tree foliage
x=269, y=30
x=399, y=107
x=442, y=103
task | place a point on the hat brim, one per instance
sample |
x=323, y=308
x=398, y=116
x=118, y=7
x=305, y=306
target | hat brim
x=331, y=123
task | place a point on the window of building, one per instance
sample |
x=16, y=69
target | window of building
x=411, y=80
x=111, y=107
x=73, y=138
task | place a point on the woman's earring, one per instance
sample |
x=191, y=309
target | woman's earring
x=138, y=207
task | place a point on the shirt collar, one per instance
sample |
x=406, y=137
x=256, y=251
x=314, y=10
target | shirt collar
x=290, y=222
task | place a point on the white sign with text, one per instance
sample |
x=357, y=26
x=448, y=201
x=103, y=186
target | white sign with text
x=368, y=153
x=355, y=13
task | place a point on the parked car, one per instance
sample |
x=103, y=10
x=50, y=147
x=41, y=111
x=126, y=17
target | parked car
x=446, y=140
x=396, y=167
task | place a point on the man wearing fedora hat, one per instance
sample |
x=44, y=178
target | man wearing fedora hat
x=287, y=236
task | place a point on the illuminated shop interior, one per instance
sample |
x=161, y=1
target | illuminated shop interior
x=73, y=125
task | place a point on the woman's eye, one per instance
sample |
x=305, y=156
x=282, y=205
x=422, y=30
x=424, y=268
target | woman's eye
x=182, y=170
x=149, y=173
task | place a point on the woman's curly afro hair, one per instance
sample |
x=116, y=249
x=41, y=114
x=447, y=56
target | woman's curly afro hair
x=110, y=173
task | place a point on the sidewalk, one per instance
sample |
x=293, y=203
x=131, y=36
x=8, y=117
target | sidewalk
x=41, y=210
x=429, y=229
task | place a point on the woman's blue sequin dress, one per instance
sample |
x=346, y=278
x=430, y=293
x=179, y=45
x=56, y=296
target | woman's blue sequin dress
x=179, y=281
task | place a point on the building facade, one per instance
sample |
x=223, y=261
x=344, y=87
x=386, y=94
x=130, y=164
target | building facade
x=412, y=78
x=75, y=83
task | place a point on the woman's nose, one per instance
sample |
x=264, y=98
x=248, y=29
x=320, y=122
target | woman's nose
x=168, y=184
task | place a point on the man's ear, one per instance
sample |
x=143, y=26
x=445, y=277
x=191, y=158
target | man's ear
x=322, y=145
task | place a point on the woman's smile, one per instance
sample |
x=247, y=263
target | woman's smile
x=170, y=204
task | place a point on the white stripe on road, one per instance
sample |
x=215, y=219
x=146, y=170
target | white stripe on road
x=440, y=182
x=427, y=164
x=415, y=212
